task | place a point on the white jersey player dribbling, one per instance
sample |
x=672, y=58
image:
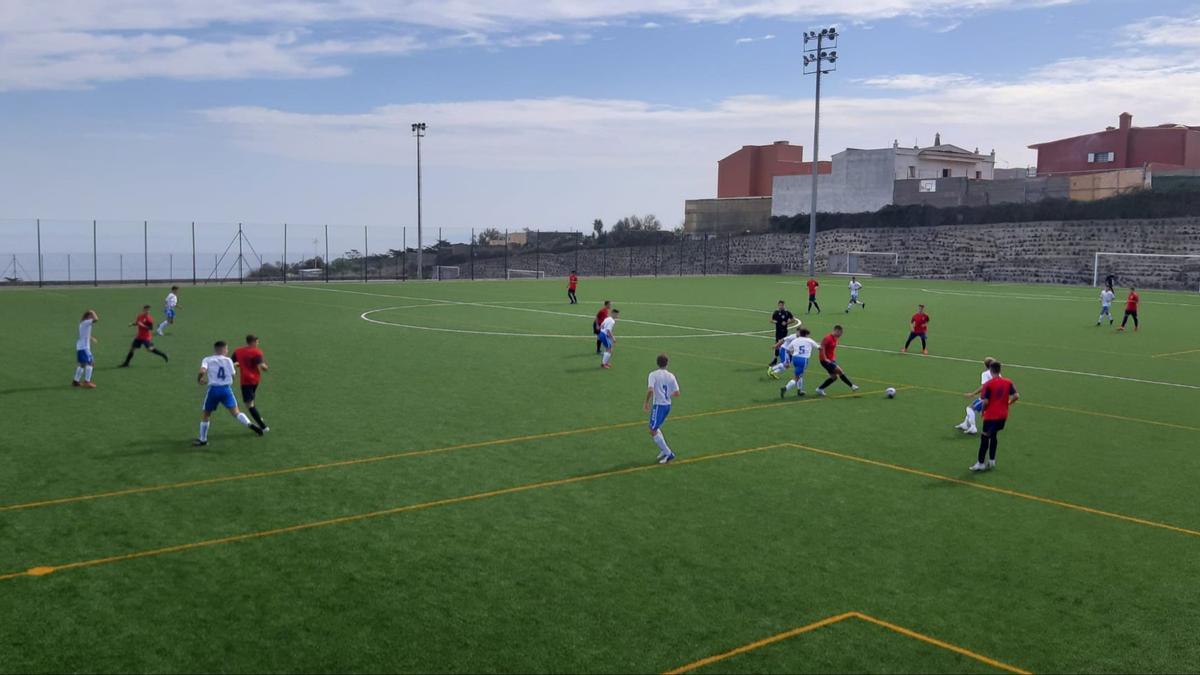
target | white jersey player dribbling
x=1106, y=298
x=855, y=287
x=968, y=423
x=216, y=371
x=661, y=388
x=800, y=350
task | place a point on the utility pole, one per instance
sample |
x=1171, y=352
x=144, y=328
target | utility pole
x=818, y=61
x=418, y=131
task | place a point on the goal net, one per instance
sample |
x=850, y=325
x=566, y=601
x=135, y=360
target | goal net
x=444, y=273
x=865, y=263
x=524, y=274
x=1154, y=270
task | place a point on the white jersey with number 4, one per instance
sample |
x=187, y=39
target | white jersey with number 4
x=219, y=369
x=85, y=336
x=664, y=385
x=1106, y=297
x=803, y=347
x=607, y=326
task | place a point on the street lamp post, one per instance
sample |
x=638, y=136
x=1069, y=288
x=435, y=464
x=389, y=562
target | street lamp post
x=818, y=60
x=418, y=131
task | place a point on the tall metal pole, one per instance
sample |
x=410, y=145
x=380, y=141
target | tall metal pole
x=95, y=272
x=326, y=254
x=418, y=130
x=822, y=60
x=365, y=249
x=404, y=251
x=239, y=253
x=39, y=251
x=145, y=253
x=472, y=254
x=193, y=253
x=506, y=253
x=537, y=254
x=284, y=270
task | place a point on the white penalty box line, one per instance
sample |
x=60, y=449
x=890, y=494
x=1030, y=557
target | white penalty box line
x=713, y=333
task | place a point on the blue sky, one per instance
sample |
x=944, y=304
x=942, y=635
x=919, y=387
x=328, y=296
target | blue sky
x=541, y=113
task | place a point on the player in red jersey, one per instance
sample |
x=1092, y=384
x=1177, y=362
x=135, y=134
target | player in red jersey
x=600, y=317
x=253, y=364
x=828, y=357
x=1131, y=309
x=572, y=283
x=920, y=326
x=813, y=285
x=997, y=394
x=145, y=336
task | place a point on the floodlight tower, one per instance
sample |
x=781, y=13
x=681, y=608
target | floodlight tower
x=819, y=59
x=418, y=131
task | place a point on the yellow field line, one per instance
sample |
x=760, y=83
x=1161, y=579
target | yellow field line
x=999, y=490
x=342, y=520
x=999, y=665
x=392, y=456
x=1186, y=351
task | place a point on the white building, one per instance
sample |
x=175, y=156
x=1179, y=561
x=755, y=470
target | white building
x=942, y=160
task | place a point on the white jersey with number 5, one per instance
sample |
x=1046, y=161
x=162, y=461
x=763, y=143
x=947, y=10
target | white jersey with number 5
x=607, y=326
x=220, y=370
x=803, y=347
x=664, y=385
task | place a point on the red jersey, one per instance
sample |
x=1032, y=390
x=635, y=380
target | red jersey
x=1131, y=302
x=920, y=322
x=829, y=347
x=812, y=286
x=601, y=315
x=572, y=282
x=145, y=326
x=996, y=391
x=249, y=359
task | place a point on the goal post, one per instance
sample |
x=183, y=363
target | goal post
x=865, y=263
x=524, y=274
x=446, y=272
x=1141, y=266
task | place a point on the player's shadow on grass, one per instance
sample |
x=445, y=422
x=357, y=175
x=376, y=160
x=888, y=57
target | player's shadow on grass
x=217, y=445
x=31, y=390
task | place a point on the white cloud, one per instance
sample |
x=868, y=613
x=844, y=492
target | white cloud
x=651, y=24
x=531, y=40
x=916, y=81
x=1165, y=31
x=748, y=40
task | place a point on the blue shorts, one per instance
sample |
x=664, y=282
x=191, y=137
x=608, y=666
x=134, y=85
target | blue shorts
x=170, y=313
x=218, y=396
x=799, y=364
x=605, y=341
x=977, y=406
x=783, y=355
x=829, y=366
x=84, y=357
x=658, y=415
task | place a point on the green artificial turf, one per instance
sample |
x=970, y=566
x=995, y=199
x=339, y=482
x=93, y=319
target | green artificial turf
x=846, y=504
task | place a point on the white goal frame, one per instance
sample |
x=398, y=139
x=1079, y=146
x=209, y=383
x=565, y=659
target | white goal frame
x=894, y=255
x=1096, y=260
x=437, y=272
x=534, y=274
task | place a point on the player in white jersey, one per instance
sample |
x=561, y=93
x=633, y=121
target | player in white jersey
x=855, y=287
x=83, y=351
x=660, y=389
x=169, y=306
x=216, y=371
x=1106, y=298
x=800, y=350
x=968, y=423
x=606, y=337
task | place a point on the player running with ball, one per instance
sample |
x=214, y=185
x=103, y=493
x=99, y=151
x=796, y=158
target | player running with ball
x=800, y=349
x=661, y=387
x=216, y=371
x=828, y=357
x=854, y=287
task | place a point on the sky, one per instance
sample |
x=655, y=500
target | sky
x=541, y=113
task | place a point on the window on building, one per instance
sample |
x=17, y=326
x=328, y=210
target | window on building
x=1099, y=157
x=912, y=171
x=978, y=175
x=945, y=173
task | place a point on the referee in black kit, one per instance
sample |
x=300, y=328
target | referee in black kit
x=782, y=318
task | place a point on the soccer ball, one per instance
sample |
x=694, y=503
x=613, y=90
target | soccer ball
x=891, y=392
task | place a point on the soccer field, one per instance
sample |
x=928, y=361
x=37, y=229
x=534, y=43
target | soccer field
x=451, y=483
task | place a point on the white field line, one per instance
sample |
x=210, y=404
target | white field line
x=1011, y=296
x=868, y=349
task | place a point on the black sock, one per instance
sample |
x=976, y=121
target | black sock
x=257, y=418
x=847, y=380
x=1135, y=323
x=923, y=346
x=163, y=355
x=1125, y=321
x=908, y=341
x=818, y=307
x=128, y=358
x=992, y=446
x=983, y=447
x=597, y=346
x=826, y=383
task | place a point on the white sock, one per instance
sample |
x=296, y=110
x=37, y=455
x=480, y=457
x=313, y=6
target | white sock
x=777, y=368
x=87, y=373
x=661, y=442
x=800, y=384
x=791, y=385
x=970, y=416
x=243, y=419
x=78, y=372
x=161, y=326
x=204, y=431
x=606, y=357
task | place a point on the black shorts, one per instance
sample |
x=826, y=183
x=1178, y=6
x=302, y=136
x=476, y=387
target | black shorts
x=812, y=297
x=595, y=328
x=1131, y=312
x=992, y=426
x=148, y=344
x=829, y=366
x=780, y=333
x=248, y=392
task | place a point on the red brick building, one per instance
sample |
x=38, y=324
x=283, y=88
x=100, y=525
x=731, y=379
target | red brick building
x=1122, y=147
x=749, y=171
